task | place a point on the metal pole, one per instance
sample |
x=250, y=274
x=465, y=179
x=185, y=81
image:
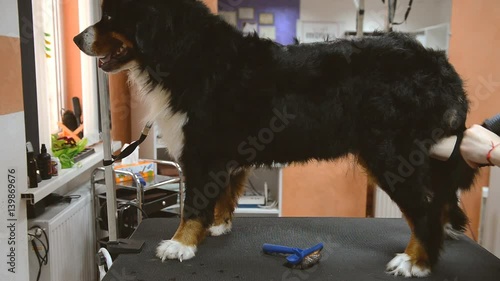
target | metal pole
x=109, y=176
x=390, y=6
x=360, y=18
x=387, y=26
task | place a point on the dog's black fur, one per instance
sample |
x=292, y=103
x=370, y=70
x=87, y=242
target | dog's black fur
x=251, y=101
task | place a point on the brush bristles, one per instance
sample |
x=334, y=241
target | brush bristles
x=308, y=261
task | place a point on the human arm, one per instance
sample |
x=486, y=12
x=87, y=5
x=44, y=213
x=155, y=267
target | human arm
x=478, y=145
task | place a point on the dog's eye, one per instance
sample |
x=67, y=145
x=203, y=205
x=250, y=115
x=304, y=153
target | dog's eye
x=107, y=17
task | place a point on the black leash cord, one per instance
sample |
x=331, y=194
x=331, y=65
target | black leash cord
x=129, y=149
x=406, y=14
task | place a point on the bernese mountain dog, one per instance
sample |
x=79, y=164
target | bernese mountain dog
x=226, y=102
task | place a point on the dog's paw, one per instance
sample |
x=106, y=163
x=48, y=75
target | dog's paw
x=171, y=249
x=221, y=229
x=402, y=265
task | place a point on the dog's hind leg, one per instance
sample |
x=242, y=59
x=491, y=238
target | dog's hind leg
x=430, y=219
x=227, y=202
x=204, y=185
x=407, y=182
x=442, y=217
x=422, y=251
x=447, y=178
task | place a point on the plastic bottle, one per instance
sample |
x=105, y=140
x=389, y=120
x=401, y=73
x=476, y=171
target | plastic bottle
x=56, y=165
x=33, y=181
x=44, y=163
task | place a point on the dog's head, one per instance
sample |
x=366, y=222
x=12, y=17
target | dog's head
x=133, y=32
x=113, y=38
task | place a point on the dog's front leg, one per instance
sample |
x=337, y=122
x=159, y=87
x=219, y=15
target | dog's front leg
x=183, y=244
x=203, y=187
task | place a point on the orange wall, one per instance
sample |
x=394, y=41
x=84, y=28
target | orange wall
x=212, y=4
x=72, y=61
x=119, y=98
x=11, y=86
x=324, y=189
x=475, y=29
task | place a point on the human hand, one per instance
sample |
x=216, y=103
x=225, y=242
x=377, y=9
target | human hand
x=477, y=143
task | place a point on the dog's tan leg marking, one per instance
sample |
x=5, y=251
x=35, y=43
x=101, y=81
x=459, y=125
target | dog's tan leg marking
x=183, y=244
x=190, y=232
x=224, y=208
x=414, y=262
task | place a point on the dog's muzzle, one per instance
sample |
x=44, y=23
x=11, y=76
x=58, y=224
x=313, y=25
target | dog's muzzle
x=85, y=40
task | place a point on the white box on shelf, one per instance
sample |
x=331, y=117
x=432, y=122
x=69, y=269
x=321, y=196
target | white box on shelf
x=252, y=200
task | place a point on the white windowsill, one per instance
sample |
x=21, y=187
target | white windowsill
x=65, y=176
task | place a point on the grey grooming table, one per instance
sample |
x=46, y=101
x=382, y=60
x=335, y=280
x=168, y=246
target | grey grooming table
x=355, y=249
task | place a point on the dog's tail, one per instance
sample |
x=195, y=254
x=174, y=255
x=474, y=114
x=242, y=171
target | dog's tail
x=448, y=177
x=455, y=174
x=462, y=174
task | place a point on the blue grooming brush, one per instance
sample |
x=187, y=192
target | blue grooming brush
x=298, y=258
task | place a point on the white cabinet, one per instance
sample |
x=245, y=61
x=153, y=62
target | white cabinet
x=435, y=37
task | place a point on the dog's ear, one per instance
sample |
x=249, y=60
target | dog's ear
x=155, y=33
x=147, y=32
x=144, y=36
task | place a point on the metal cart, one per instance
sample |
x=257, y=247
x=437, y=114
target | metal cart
x=135, y=186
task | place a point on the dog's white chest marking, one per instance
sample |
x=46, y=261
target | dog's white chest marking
x=169, y=122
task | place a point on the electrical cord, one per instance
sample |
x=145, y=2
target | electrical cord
x=272, y=205
x=253, y=188
x=55, y=198
x=69, y=198
x=103, y=207
x=142, y=211
x=42, y=260
x=121, y=212
x=407, y=13
x=135, y=206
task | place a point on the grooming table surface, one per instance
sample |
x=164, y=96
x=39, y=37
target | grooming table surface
x=354, y=249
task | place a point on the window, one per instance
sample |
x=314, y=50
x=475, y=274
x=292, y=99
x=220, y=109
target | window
x=51, y=79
